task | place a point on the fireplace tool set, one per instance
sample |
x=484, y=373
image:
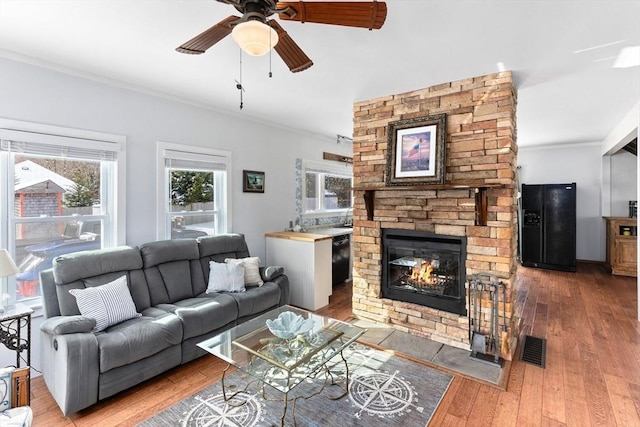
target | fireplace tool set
x=486, y=348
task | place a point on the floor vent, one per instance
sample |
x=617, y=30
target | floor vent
x=534, y=350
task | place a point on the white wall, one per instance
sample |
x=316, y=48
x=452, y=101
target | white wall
x=35, y=94
x=624, y=132
x=624, y=182
x=619, y=136
x=579, y=163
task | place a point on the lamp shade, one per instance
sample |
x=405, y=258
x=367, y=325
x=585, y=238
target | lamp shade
x=254, y=37
x=7, y=266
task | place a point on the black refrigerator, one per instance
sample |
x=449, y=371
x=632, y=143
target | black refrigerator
x=548, y=226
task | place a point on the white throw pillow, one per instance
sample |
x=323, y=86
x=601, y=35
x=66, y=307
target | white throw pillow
x=251, y=267
x=108, y=304
x=225, y=277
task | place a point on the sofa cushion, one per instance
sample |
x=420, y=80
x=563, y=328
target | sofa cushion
x=80, y=265
x=108, y=304
x=164, y=251
x=218, y=248
x=138, y=338
x=172, y=270
x=203, y=314
x=257, y=299
x=224, y=277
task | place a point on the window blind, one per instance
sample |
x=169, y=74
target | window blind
x=328, y=168
x=194, y=161
x=20, y=142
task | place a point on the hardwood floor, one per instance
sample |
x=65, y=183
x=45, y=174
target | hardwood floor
x=592, y=373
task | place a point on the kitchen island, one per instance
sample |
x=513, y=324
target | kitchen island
x=306, y=258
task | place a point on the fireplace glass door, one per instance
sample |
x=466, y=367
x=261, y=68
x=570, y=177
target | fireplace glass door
x=424, y=268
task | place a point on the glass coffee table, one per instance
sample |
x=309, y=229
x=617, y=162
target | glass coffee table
x=283, y=363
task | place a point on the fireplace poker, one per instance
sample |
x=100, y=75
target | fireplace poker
x=504, y=344
x=494, y=320
x=479, y=340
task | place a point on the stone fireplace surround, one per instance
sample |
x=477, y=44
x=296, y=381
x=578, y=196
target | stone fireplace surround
x=480, y=160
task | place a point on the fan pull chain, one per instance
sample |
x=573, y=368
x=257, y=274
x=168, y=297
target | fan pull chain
x=239, y=83
x=270, y=52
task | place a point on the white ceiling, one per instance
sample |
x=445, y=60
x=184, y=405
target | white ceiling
x=561, y=54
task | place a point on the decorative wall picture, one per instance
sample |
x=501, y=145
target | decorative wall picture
x=416, y=151
x=252, y=181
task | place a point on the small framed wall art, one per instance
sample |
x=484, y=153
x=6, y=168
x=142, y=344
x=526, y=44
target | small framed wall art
x=416, y=151
x=252, y=181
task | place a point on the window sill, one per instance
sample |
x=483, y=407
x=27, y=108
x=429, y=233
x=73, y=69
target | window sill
x=35, y=305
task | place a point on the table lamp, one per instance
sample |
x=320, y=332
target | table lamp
x=7, y=268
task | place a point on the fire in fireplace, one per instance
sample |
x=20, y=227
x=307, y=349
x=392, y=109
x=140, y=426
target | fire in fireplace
x=424, y=268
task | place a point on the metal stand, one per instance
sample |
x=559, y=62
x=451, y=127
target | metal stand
x=483, y=348
x=285, y=401
x=11, y=324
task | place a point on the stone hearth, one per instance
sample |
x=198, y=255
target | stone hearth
x=477, y=200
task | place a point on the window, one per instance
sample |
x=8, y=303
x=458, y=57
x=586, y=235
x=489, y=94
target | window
x=194, y=184
x=327, y=188
x=58, y=192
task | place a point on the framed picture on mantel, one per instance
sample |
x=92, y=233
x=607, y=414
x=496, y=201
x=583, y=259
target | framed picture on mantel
x=416, y=151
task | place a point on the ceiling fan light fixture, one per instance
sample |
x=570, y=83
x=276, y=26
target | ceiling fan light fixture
x=254, y=37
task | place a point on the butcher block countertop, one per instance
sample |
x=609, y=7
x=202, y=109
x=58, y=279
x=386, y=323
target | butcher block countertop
x=302, y=237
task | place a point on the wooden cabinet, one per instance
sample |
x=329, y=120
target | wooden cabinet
x=622, y=246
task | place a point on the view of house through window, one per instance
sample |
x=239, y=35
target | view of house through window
x=56, y=211
x=57, y=198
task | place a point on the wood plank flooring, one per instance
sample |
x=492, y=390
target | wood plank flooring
x=591, y=378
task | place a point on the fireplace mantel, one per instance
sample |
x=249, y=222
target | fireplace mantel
x=480, y=188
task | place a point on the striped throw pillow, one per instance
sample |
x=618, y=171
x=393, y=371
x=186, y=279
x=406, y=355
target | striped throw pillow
x=108, y=304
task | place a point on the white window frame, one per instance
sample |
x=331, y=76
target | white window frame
x=114, y=206
x=324, y=167
x=222, y=190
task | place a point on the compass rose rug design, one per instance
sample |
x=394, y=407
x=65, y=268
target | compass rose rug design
x=383, y=389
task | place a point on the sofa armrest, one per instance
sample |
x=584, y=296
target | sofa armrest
x=62, y=325
x=70, y=366
x=271, y=272
x=283, y=282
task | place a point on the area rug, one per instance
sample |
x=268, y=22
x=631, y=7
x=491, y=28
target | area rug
x=383, y=390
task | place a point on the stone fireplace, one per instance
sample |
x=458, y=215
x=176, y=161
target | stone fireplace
x=474, y=210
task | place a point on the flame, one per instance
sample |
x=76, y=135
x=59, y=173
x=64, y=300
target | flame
x=422, y=273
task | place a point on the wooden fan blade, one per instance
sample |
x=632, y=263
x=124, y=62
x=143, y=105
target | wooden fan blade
x=369, y=14
x=203, y=41
x=289, y=51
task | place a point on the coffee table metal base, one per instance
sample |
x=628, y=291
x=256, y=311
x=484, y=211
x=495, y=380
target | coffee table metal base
x=327, y=374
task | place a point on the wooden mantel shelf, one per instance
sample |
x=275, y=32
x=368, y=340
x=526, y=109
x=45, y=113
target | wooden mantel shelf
x=461, y=185
x=480, y=187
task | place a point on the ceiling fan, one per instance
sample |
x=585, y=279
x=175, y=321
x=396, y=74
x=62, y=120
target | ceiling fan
x=268, y=33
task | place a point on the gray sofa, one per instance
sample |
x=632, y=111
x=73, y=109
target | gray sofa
x=167, y=281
